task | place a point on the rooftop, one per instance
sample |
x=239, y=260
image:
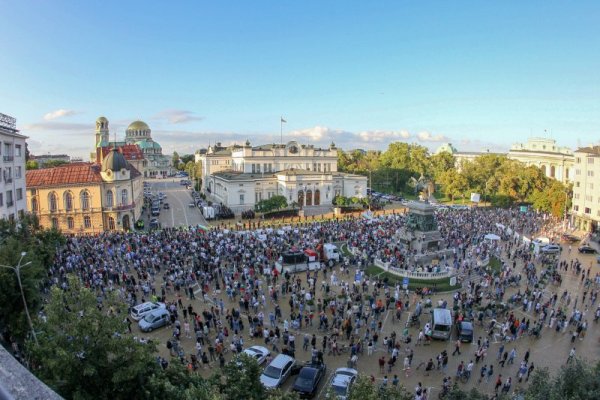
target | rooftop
x=595, y=150
x=241, y=176
x=129, y=151
x=69, y=174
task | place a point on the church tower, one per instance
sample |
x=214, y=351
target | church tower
x=102, y=132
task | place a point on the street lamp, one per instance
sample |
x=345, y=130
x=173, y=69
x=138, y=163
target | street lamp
x=17, y=271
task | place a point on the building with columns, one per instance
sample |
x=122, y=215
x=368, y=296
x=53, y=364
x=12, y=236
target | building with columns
x=241, y=176
x=554, y=161
x=87, y=198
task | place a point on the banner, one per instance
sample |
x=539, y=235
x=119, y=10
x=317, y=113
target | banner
x=475, y=197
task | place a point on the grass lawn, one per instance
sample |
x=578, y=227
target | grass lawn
x=440, y=285
x=496, y=265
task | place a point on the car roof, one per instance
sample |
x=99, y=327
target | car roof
x=281, y=360
x=341, y=379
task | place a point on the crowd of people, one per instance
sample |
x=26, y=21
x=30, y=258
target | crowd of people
x=224, y=293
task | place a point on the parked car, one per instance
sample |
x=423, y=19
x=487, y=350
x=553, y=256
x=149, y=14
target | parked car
x=551, y=249
x=277, y=371
x=308, y=379
x=464, y=331
x=569, y=238
x=141, y=310
x=586, y=249
x=166, y=206
x=156, y=319
x=259, y=353
x=341, y=382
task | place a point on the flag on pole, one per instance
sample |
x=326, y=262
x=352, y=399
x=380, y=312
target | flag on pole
x=283, y=120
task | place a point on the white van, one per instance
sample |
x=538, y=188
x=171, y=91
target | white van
x=441, y=323
x=331, y=252
x=138, y=312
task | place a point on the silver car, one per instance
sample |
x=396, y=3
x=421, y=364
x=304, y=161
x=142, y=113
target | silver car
x=154, y=320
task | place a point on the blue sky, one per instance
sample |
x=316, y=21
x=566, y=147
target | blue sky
x=478, y=74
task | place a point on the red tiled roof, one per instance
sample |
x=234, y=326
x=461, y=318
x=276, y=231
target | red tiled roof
x=129, y=151
x=69, y=174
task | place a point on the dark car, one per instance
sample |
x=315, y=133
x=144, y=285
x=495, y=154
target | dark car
x=586, y=249
x=308, y=379
x=566, y=237
x=166, y=206
x=464, y=331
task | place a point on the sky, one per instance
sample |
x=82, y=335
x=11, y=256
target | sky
x=479, y=74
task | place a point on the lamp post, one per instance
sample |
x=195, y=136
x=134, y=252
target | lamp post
x=17, y=271
x=565, y=219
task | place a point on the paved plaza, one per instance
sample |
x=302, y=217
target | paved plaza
x=230, y=254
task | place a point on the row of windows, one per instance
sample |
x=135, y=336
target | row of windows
x=84, y=200
x=589, y=173
x=8, y=150
x=9, y=197
x=87, y=223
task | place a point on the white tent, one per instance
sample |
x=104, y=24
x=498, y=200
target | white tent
x=491, y=236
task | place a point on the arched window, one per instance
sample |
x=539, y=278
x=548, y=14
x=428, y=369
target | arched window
x=110, y=201
x=34, y=205
x=85, y=200
x=552, y=171
x=68, y=201
x=111, y=223
x=52, y=202
x=70, y=223
x=55, y=223
x=124, y=197
x=87, y=222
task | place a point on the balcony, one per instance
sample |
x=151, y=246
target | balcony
x=8, y=179
x=124, y=207
x=10, y=203
x=8, y=158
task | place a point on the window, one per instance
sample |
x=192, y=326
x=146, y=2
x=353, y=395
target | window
x=578, y=160
x=590, y=173
x=87, y=222
x=34, y=204
x=591, y=185
x=253, y=168
x=588, y=198
x=85, y=200
x=68, y=201
x=70, y=223
x=307, y=166
x=18, y=172
x=9, y=198
x=110, y=201
x=576, y=208
x=111, y=223
x=576, y=196
x=587, y=210
x=577, y=172
x=1, y=199
x=7, y=149
x=19, y=194
x=124, y=197
x=577, y=183
x=17, y=150
x=55, y=223
x=52, y=202
x=241, y=199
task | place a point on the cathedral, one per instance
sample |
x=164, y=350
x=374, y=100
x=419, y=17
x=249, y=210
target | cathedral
x=138, y=148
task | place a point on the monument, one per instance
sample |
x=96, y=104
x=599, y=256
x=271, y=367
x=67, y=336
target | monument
x=420, y=235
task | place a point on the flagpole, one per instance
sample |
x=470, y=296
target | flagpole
x=281, y=129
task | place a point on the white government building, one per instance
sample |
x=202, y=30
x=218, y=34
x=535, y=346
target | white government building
x=241, y=176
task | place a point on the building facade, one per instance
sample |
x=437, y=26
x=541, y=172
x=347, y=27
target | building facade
x=585, y=212
x=241, y=176
x=87, y=198
x=138, y=133
x=12, y=169
x=554, y=161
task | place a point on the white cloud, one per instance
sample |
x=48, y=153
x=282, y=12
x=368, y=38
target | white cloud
x=178, y=116
x=318, y=134
x=58, y=126
x=59, y=114
x=383, y=136
x=428, y=137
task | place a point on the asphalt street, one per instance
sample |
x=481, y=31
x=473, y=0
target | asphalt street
x=179, y=198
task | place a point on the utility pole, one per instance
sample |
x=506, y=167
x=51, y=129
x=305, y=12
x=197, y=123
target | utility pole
x=17, y=271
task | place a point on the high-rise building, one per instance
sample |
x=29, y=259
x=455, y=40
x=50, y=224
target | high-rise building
x=12, y=169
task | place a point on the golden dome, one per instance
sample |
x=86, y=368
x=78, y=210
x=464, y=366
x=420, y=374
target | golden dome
x=138, y=126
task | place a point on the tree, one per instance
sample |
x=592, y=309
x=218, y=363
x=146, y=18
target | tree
x=187, y=158
x=83, y=352
x=175, y=159
x=54, y=163
x=440, y=163
x=365, y=389
x=274, y=203
x=454, y=183
x=32, y=164
x=241, y=379
x=39, y=245
x=576, y=380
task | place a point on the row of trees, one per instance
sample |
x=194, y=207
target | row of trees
x=274, y=203
x=495, y=177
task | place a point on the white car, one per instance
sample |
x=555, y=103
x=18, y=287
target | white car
x=141, y=310
x=341, y=381
x=551, y=249
x=259, y=353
